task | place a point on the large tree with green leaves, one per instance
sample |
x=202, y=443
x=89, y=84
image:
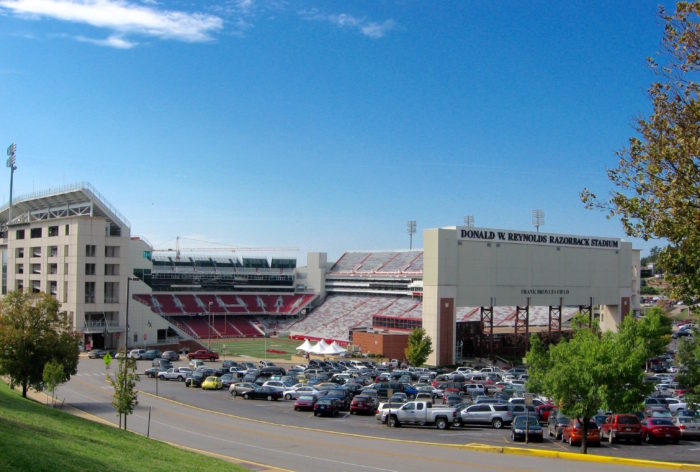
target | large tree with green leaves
x=657, y=179
x=594, y=370
x=32, y=333
x=419, y=347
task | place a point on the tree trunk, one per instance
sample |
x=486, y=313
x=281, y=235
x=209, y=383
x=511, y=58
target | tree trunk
x=584, y=436
x=24, y=388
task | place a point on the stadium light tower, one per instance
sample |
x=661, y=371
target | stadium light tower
x=411, y=230
x=537, y=218
x=469, y=221
x=11, y=150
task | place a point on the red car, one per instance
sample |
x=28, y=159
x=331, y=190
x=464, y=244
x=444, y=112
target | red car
x=203, y=354
x=362, y=404
x=543, y=411
x=305, y=403
x=617, y=427
x=660, y=429
x=573, y=433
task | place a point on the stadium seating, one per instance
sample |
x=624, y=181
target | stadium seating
x=379, y=263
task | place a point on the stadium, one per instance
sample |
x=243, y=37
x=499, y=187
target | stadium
x=475, y=295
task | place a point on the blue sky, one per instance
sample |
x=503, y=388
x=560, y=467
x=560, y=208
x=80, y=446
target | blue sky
x=325, y=125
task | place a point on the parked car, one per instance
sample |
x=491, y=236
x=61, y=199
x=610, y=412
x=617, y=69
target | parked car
x=239, y=388
x=212, y=383
x=363, y=404
x=195, y=379
x=556, y=424
x=327, y=407
x=543, y=411
x=486, y=414
x=153, y=372
x=660, y=429
x=97, y=354
x=228, y=379
x=151, y=354
x=573, y=433
x=268, y=393
x=277, y=385
x=383, y=410
x=305, y=402
x=474, y=390
x=523, y=425
x=163, y=363
x=688, y=425
x=173, y=374
x=136, y=353
x=171, y=356
x=621, y=426
x=423, y=414
x=195, y=364
x=203, y=354
x=401, y=397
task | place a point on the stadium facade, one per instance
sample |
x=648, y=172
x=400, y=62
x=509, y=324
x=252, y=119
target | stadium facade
x=466, y=286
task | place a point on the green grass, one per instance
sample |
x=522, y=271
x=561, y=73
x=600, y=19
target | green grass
x=36, y=437
x=255, y=348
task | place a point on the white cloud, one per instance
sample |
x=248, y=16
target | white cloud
x=122, y=17
x=370, y=29
x=113, y=41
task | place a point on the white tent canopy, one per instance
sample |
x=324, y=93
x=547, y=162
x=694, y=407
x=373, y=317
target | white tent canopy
x=317, y=348
x=306, y=347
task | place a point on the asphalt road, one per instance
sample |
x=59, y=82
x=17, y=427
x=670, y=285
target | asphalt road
x=273, y=433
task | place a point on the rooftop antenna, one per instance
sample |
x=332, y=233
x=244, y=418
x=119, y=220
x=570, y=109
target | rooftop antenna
x=411, y=230
x=537, y=218
x=11, y=150
x=469, y=221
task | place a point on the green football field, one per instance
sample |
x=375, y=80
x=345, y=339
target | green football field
x=258, y=348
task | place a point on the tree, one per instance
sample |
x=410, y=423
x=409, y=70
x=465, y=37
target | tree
x=688, y=359
x=53, y=376
x=124, y=384
x=657, y=178
x=32, y=333
x=595, y=370
x=420, y=346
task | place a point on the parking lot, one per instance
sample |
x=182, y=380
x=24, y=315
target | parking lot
x=282, y=413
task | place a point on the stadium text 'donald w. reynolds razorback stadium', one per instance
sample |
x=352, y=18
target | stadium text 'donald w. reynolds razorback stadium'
x=474, y=290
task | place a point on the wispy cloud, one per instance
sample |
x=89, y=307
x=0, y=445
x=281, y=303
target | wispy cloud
x=370, y=29
x=113, y=41
x=122, y=17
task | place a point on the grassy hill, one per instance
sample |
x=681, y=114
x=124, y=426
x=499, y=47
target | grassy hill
x=35, y=437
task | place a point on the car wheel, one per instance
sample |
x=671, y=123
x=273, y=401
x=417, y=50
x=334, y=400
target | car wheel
x=497, y=423
x=315, y=413
x=571, y=443
x=393, y=422
x=212, y=359
x=647, y=437
x=441, y=423
x=246, y=396
x=611, y=437
x=269, y=398
x=288, y=396
x=296, y=408
x=512, y=436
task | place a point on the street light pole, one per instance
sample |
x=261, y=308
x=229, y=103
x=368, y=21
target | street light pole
x=11, y=150
x=209, y=326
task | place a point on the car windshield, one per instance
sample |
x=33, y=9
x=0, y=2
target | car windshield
x=306, y=397
x=661, y=422
x=521, y=421
x=211, y=379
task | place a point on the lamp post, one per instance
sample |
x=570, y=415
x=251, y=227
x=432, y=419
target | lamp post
x=209, y=317
x=411, y=230
x=11, y=150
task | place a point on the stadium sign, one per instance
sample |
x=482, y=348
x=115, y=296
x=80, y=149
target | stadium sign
x=542, y=239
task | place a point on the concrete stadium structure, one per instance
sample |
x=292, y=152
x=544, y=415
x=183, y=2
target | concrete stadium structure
x=71, y=243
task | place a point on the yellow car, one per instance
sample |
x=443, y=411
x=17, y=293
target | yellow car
x=212, y=383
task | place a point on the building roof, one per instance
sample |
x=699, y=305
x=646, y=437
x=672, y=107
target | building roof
x=80, y=199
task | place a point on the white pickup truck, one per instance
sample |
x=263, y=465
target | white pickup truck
x=174, y=373
x=422, y=413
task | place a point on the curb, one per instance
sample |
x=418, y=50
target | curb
x=594, y=458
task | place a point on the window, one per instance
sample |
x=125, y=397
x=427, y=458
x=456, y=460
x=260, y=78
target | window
x=53, y=231
x=19, y=269
x=89, y=269
x=20, y=285
x=90, y=250
x=67, y=230
x=53, y=269
x=65, y=251
x=111, y=251
x=53, y=251
x=65, y=294
x=65, y=268
x=36, y=268
x=36, y=251
x=19, y=253
x=111, y=292
x=36, y=286
x=35, y=233
x=19, y=234
x=89, y=292
x=111, y=269
x=53, y=287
